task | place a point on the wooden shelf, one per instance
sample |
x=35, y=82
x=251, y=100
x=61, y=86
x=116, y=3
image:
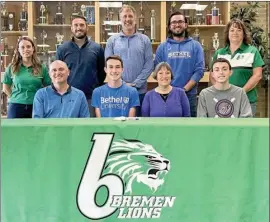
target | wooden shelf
x=51, y=25
x=153, y=43
x=207, y=26
x=150, y=79
x=205, y=78
x=56, y=25
x=14, y=32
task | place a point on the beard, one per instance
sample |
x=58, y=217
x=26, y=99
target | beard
x=82, y=36
x=178, y=34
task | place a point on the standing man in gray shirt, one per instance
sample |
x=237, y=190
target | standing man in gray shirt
x=223, y=100
x=135, y=50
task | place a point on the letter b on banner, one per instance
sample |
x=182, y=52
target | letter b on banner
x=92, y=180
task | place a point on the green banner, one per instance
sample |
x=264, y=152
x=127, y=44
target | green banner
x=173, y=170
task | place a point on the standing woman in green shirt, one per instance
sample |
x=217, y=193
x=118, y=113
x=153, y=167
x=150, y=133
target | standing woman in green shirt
x=23, y=77
x=244, y=58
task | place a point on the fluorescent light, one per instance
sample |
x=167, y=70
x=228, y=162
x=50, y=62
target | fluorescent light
x=112, y=33
x=110, y=4
x=200, y=7
x=188, y=6
x=193, y=6
x=112, y=23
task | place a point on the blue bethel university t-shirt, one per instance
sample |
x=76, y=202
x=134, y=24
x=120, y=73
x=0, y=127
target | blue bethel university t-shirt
x=115, y=102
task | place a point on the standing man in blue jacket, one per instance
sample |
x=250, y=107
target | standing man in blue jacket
x=85, y=60
x=135, y=49
x=185, y=56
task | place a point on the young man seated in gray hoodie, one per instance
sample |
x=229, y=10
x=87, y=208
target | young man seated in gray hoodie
x=222, y=99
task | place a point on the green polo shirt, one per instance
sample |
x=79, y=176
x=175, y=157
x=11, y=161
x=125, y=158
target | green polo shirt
x=25, y=84
x=243, y=61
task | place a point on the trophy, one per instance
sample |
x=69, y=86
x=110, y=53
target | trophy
x=215, y=14
x=113, y=26
x=59, y=17
x=23, y=18
x=4, y=52
x=172, y=9
x=90, y=14
x=215, y=41
x=141, y=19
x=107, y=18
x=75, y=11
x=153, y=25
x=43, y=14
x=187, y=15
x=206, y=55
x=4, y=17
x=11, y=20
x=196, y=35
x=83, y=11
x=4, y=47
x=59, y=40
x=2, y=66
x=199, y=15
x=44, y=47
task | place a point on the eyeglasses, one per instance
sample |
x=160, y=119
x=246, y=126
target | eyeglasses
x=180, y=22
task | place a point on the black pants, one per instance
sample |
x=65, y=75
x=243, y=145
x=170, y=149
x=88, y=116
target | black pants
x=138, y=108
x=16, y=110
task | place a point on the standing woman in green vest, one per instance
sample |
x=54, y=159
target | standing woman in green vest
x=245, y=60
x=23, y=77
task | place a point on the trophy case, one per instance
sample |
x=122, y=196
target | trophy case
x=148, y=19
x=206, y=23
x=52, y=24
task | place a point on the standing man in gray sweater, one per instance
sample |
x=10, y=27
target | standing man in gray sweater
x=223, y=100
x=135, y=50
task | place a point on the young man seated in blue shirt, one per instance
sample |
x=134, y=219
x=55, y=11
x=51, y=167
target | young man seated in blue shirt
x=116, y=98
x=60, y=100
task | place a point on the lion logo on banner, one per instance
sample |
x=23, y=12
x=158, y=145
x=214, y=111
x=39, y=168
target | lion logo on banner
x=131, y=159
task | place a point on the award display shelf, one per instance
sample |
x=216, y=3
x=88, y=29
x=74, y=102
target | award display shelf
x=50, y=22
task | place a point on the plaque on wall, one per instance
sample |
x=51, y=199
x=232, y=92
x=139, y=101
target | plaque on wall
x=90, y=14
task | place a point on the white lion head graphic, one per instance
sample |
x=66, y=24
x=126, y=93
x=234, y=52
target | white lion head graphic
x=131, y=159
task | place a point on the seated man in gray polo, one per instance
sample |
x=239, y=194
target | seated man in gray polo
x=223, y=100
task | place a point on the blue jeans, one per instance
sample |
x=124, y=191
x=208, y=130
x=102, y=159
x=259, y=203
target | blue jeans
x=138, y=108
x=192, y=98
x=16, y=110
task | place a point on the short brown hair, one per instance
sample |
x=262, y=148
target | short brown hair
x=159, y=67
x=129, y=7
x=221, y=60
x=77, y=17
x=114, y=57
x=240, y=25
